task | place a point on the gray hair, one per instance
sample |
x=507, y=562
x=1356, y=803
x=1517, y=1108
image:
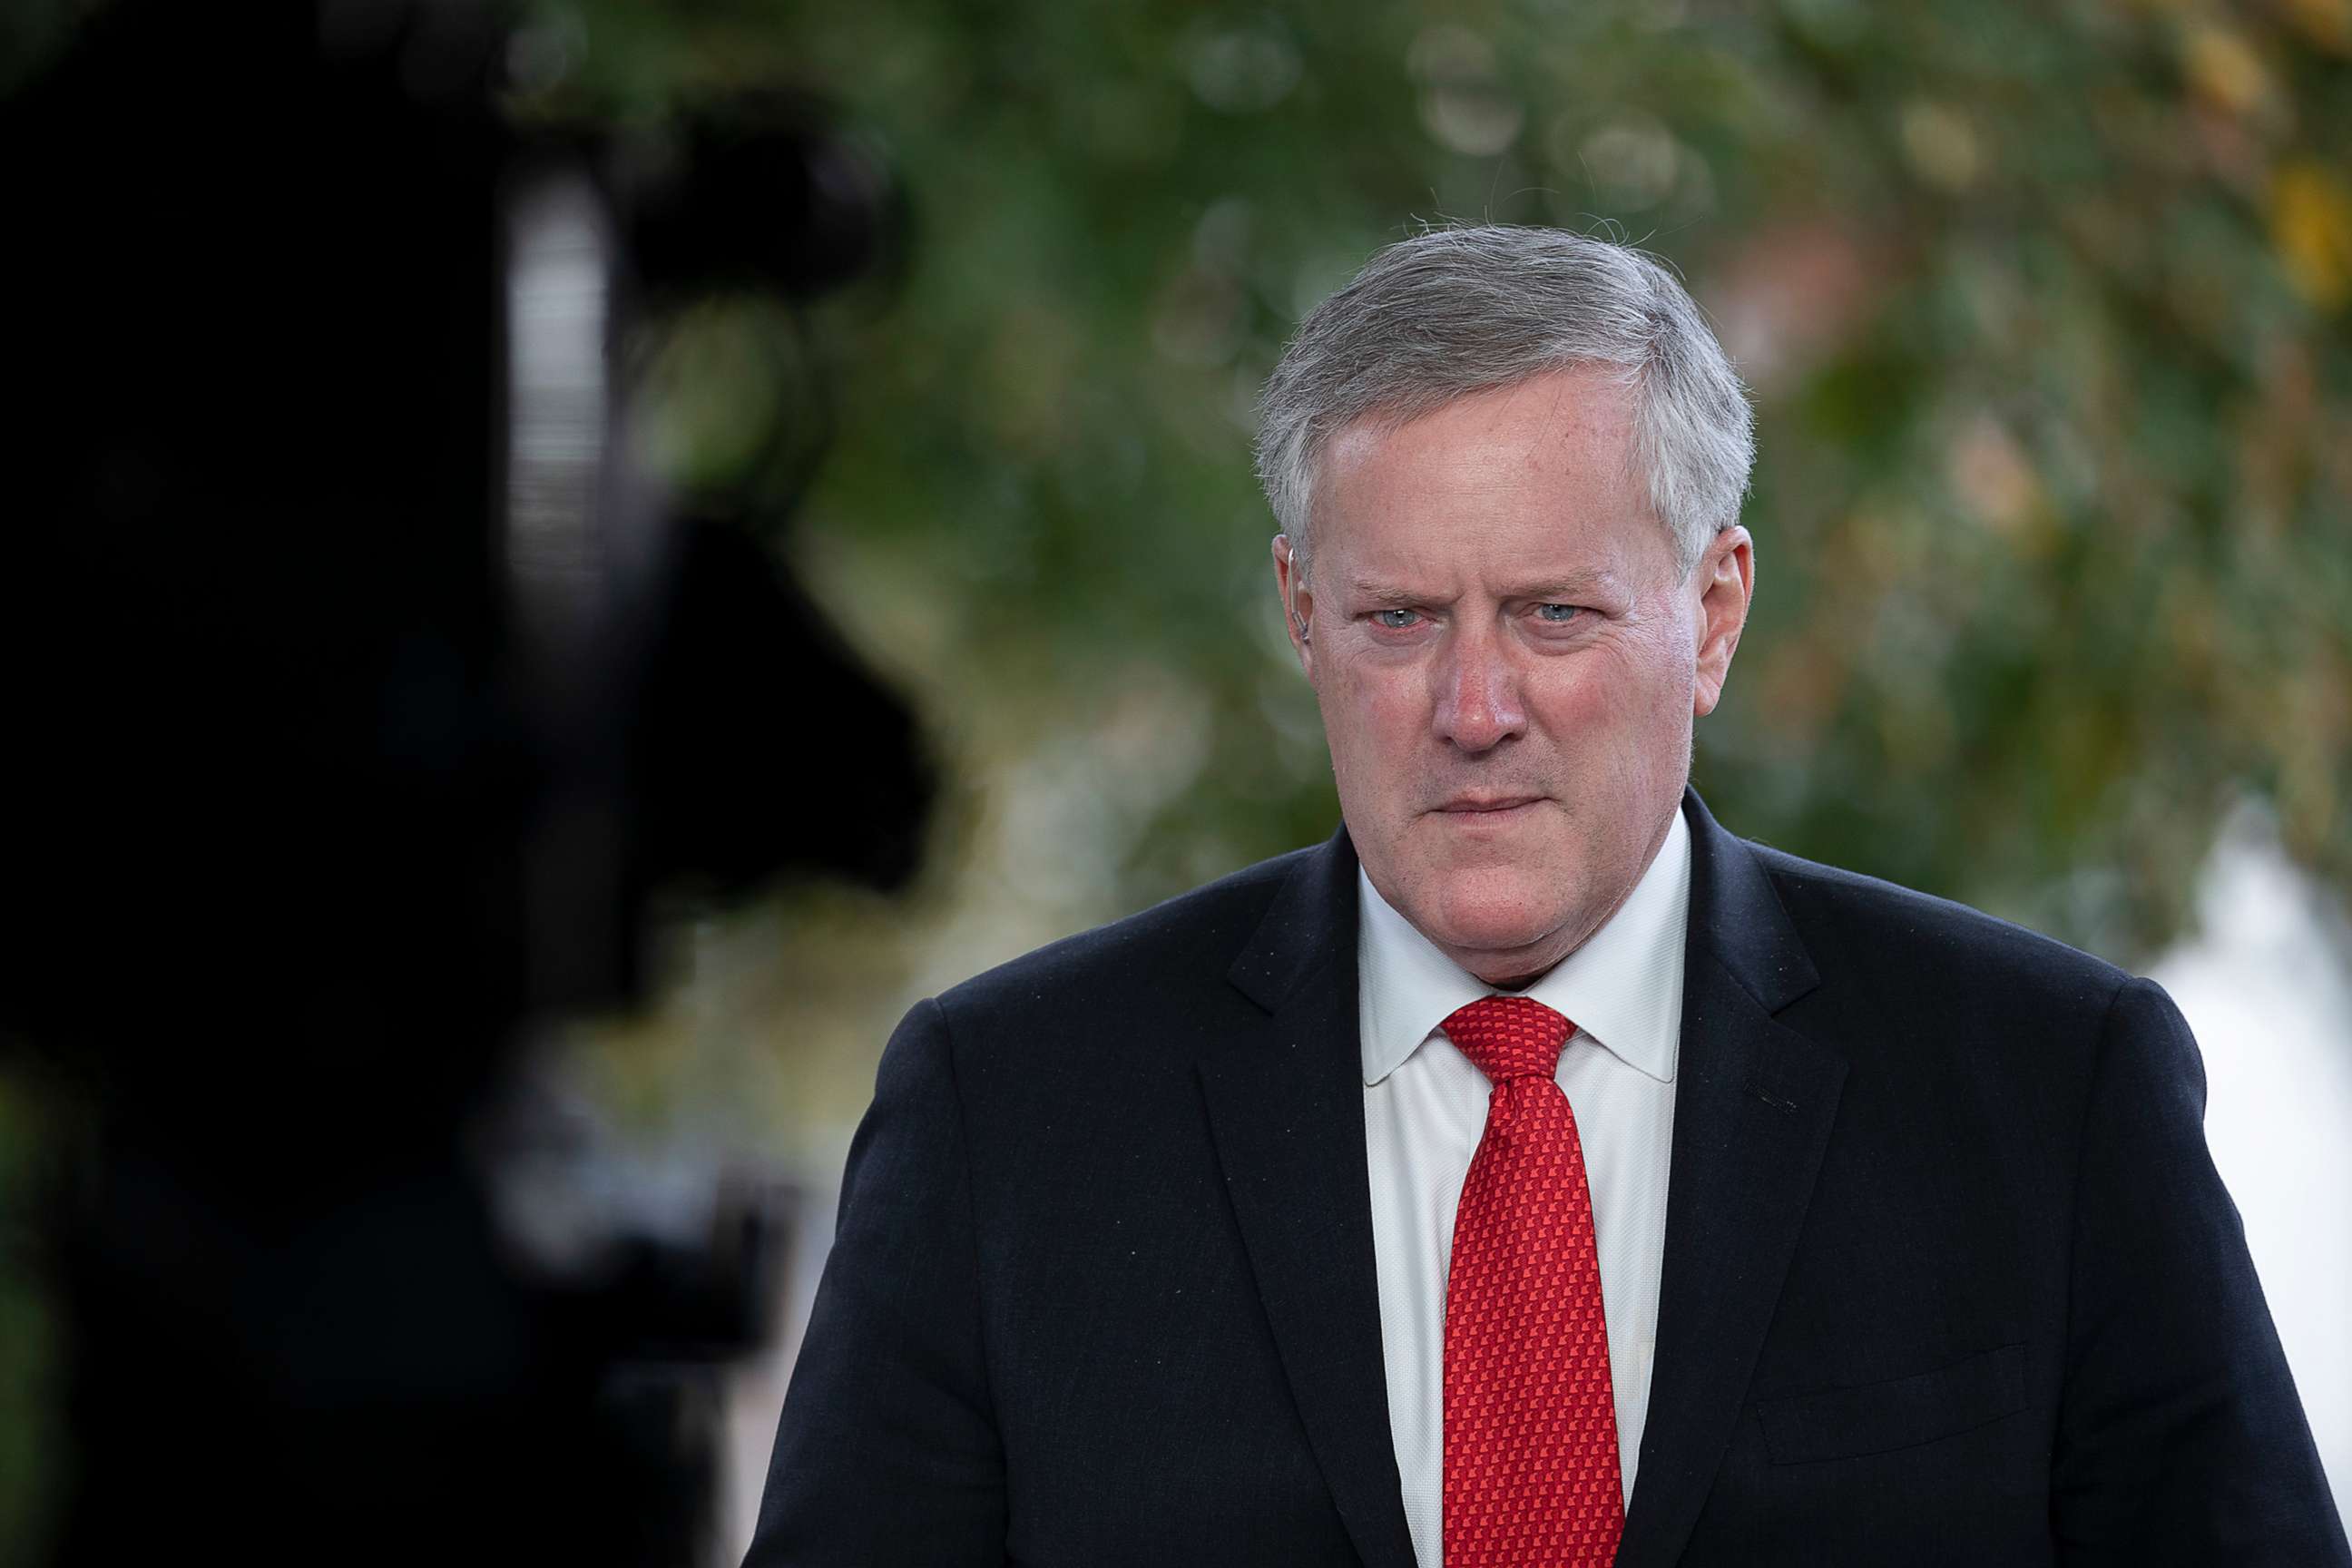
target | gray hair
x=1459, y=311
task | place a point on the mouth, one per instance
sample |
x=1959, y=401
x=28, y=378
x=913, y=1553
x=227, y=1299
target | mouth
x=1474, y=808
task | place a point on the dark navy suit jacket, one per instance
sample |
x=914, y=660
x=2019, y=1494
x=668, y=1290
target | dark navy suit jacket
x=1948, y=1277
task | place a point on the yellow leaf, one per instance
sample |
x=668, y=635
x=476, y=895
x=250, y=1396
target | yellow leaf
x=2224, y=68
x=2326, y=23
x=2311, y=227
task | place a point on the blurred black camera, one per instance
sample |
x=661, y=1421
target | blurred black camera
x=363, y=689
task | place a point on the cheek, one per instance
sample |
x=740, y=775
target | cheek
x=1585, y=701
x=1376, y=709
x=1653, y=680
x=1616, y=724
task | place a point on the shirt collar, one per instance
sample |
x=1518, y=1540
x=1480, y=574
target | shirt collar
x=1623, y=987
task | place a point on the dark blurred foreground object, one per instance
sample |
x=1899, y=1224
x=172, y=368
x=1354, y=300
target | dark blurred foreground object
x=360, y=692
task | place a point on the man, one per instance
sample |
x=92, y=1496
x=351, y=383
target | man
x=1535, y=1172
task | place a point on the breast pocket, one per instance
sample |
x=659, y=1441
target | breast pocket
x=1876, y=1418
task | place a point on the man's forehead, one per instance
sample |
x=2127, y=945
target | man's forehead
x=1535, y=479
x=1539, y=416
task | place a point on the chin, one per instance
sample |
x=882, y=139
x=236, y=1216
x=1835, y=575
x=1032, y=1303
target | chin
x=1499, y=910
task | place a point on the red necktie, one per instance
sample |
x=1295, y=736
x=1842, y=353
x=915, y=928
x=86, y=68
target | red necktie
x=1532, y=1473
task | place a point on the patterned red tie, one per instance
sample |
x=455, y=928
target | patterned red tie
x=1532, y=1473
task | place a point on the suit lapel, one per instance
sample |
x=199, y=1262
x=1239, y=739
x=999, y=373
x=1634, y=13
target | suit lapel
x=1752, y=1114
x=1285, y=1104
x=1753, y=1109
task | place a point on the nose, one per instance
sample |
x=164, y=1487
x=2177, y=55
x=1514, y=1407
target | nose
x=1477, y=702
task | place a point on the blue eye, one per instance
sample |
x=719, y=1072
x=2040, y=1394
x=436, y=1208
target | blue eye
x=1397, y=620
x=1557, y=614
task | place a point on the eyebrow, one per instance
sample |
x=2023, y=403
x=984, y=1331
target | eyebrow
x=1385, y=594
x=1570, y=589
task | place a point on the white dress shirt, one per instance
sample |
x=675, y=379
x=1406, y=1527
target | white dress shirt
x=1425, y=1106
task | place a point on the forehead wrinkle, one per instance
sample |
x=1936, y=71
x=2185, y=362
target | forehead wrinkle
x=1571, y=584
x=1479, y=481
x=1380, y=593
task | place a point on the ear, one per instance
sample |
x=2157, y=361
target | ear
x=1297, y=603
x=1725, y=580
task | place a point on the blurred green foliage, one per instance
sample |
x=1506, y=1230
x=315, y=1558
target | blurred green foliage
x=30, y=1360
x=2044, y=307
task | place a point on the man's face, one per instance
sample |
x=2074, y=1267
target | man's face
x=1508, y=660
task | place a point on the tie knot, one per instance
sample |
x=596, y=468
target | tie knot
x=1509, y=1036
